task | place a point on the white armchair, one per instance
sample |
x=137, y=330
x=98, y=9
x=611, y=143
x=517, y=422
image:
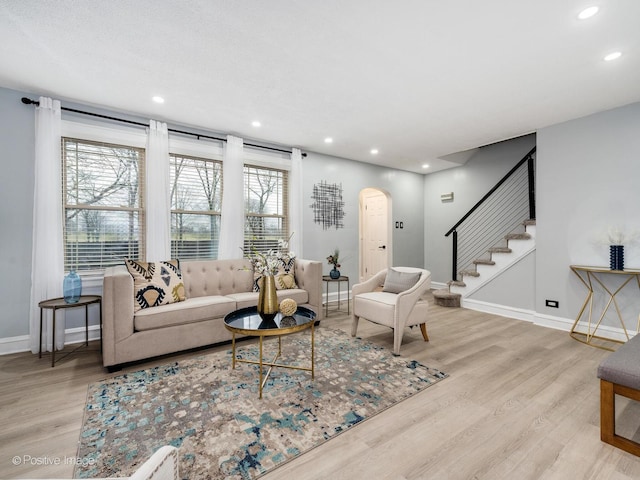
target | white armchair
x=387, y=302
x=162, y=465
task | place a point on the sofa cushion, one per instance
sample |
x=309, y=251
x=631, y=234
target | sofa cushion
x=244, y=299
x=203, y=278
x=155, y=283
x=189, y=311
x=250, y=299
x=300, y=296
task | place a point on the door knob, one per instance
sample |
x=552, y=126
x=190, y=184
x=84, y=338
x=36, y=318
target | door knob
x=383, y=247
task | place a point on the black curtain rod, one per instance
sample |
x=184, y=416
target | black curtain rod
x=28, y=101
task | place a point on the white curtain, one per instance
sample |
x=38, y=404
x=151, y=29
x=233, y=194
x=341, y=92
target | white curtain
x=295, y=202
x=158, y=193
x=47, y=262
x=232, y=215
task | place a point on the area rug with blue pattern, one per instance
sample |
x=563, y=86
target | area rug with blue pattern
x=213, y=414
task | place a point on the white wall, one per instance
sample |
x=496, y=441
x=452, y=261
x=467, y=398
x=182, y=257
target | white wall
x=588, y=179
x=405, y=190
x=17, y=136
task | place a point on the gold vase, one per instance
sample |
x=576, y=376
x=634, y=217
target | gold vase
x=267, y=298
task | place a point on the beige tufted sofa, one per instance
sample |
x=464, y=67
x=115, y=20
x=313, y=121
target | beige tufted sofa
x=213, y=288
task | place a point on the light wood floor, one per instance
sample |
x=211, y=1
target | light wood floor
x=522, y=402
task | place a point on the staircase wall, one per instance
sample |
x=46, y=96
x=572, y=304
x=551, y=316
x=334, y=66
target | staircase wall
x=469, y=183
x=514, y=288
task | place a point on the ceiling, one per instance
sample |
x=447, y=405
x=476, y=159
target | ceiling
x=422, y=81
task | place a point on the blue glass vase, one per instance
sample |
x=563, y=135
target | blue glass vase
x=335, y=273
x=72, y=287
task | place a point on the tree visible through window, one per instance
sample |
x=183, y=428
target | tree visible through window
x=103, y=206
x=196, y=196
x=266, y=211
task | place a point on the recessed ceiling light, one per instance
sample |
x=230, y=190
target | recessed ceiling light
x=158, y=99
x=374, y=151
x=588, y=12
x=328, y=140
x=612, y=56
x=426, y=165
x=256, y=123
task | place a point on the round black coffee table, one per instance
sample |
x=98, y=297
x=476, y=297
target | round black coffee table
x=247, y=321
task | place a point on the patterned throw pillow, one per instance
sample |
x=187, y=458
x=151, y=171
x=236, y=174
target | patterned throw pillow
x=155, y=283
x=398, y=282
x=284, y=279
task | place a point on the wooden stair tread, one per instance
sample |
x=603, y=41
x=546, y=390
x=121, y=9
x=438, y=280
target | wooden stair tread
x=500, y=250
x=483, y=261
x=469, y=273
x=518, y=236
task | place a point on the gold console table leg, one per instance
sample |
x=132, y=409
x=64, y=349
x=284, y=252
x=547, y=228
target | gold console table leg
x=590, y=276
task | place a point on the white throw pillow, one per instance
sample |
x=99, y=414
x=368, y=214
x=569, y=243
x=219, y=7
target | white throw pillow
x=398, y=282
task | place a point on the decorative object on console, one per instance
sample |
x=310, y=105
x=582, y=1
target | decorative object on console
x=617, y=239
x=72, y=287
x=288, y=307
x=616, y=257
x=333, y=259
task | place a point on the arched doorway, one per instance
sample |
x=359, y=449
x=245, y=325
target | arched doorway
x=376, y=249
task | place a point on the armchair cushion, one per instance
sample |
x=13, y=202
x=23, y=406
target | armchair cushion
x=398, y=282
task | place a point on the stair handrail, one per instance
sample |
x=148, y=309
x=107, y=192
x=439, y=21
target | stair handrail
x=532, y=206
x=497, y=185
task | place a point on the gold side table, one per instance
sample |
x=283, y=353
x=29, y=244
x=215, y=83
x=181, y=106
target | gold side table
x=590, y=277
x=56, y=304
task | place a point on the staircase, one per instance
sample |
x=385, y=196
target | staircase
x=515, y=246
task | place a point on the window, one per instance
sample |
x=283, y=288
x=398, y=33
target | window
x=103, y=191
x=196, y=196
x=266, y=207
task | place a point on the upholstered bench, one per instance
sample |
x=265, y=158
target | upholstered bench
x=619, y=374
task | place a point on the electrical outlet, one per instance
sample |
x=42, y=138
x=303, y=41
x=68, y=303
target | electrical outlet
x=551, y=303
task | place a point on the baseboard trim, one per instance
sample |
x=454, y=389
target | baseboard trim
x=502, y=310
x=542, y=320
x=71, y=335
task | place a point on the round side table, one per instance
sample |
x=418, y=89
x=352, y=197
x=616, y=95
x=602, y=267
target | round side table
x=59, y=303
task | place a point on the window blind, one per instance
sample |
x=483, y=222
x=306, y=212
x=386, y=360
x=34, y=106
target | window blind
x=103, y=191
x=266, y=208
x=196, y=197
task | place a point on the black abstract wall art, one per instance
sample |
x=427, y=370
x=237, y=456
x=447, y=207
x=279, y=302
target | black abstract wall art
x=328, y=207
